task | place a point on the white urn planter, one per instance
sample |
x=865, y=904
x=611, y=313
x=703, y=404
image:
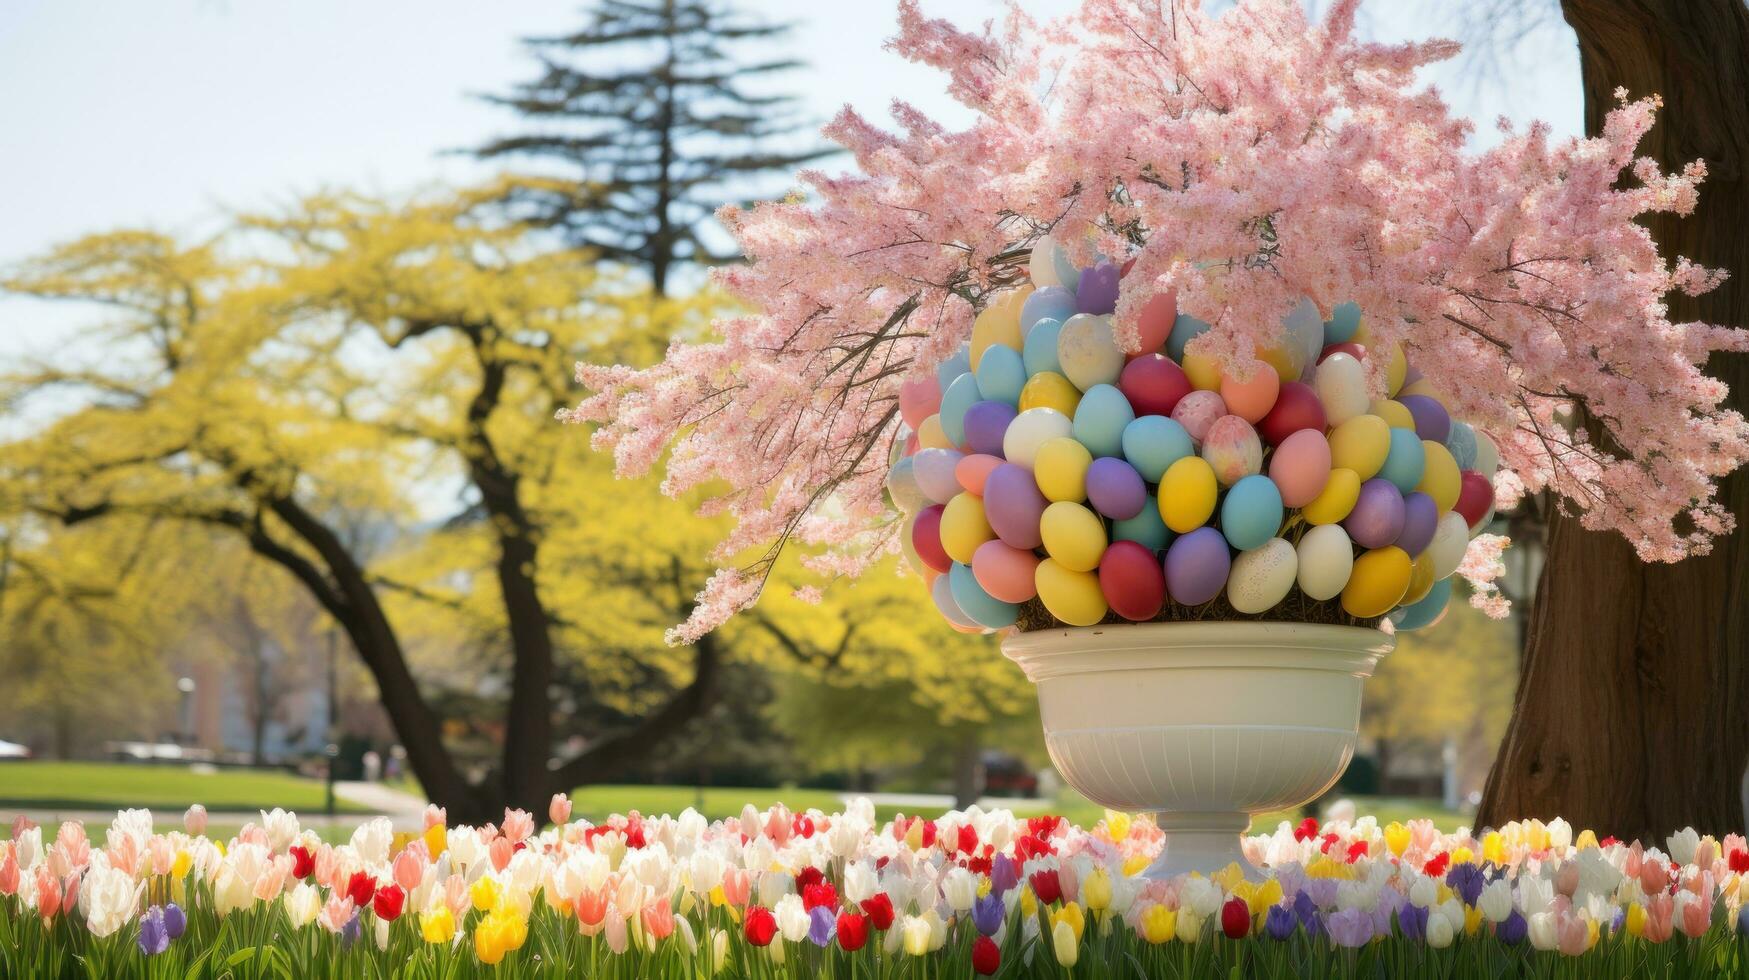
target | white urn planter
x=1203, y=724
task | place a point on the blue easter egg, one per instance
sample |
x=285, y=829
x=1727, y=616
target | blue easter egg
x=1251, y=513
x=1406, y=460
x=1100, y=420
x=1430, y=610
x=1344, y=321
x=1001, y=374
x=1146, y=529
x=960, y=396
x=1040, y=354
x=1184, y=329
x=1050, y=303
x=1154, y=442
x=957, y=363
x=1462, y=444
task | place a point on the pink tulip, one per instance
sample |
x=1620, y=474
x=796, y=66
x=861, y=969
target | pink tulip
x=409, y=869
x=659, y=918
x=559, y=810
x=336, y=914
x=737, y=886
x=616, y=930
x=8, y=870
x=518, y=825
x=500, y=852
x=1658, y=917
x=48, y=894
x=435, y=816
x=1654, y=877
x=1574, y=935
x=194, y=821
x=455, y=895
x=1567, y=879
x=21, y=825
x=591, y=911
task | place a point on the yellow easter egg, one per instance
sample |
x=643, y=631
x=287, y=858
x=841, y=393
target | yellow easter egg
x=1073, y=535
x=1336, y=499
x=1378, y=582
x=1061, y=469
x=1204, y=372
x=1048, y=389
x=1393, y=412
x=1071, y=596
x=1360, y=444
x=1440, y=479
x=1396, y=370
x=964, y=527
x=1287, y=367
x=999, y=323
x=1362, y=335
x=1420, y=582
x=1187, y=494
x=930, y=435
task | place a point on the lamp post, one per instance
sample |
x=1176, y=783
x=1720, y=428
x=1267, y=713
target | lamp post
x=332, y=747
x=186, y=686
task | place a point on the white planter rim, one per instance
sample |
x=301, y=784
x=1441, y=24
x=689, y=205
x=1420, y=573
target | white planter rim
x=1229, y=644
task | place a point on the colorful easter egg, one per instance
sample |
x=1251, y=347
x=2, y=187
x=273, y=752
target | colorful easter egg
x=1336, y=500
x=1146, y=528
x=1326, y=558
x=1296, y=407
x=1152, y=443
x=1396, y=369
x=1405, y=461
x=1153, y=384
x=1377, y=518
x=1232, y=449
x=959, y=398
x=941, y=592
x=1040, y=352
x=1425, y=613
x=1420, y=582
x=1487, y=456
x=997, y=325
x=1450, y=540
x=1442, y=479
x=1304, y=330
x=1115, y=489
x=1300, y=467
x=1088, y=352
x=1005, y=572
x=1432, y=421
x=1156, y=320
x=964, y=526
x=973, y=471
x=1341, y=386
x=1462, y=445
x=1048, y=263
x=1202, y=371
x=1261, y=577
x=1100, y=420
x=1475, y=497
x=1251, y=512
x=1196, y=566
x=919, y=398
x=1049, y=303
x=986, y=423
x=1031, y=429
x=1377, y=584
x=1393, y=412
x=1420, y=523
x=934, y=470
x=926, y=538
x=1073, y=535
x=978, y=605
x=931, y=436
x=1013, y=506
x=1001, y=375
x=956, y=364
x=1361, y=444
x=1185, y=328
x=1197, y=411
x=1050, y=390
x=1343, y=323
x=1061, y=469
x=1097, y=293
x=1133, y=581
x=1187, y=494
x=1072, y=597
x=1252, y=398
x=902, y=487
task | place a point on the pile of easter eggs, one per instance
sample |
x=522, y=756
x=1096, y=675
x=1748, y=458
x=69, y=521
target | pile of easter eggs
x=1044, y=462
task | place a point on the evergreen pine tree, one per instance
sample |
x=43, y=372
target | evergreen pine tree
x=646, y=114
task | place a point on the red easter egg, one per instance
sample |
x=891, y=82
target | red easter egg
x=1475, y=496
x=1297, y=407
x=1155, y=323
x=1153, y=384
x=1350, y=348
x=1133, y=580
x=926, y=538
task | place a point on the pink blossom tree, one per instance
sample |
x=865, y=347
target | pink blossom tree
x=1246, y=161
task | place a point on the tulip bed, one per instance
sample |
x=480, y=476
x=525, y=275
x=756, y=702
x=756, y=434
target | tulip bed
x=778, y=894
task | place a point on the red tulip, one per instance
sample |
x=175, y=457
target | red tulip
x=852, y=931
x=808, y=877
x=761, y=925
x=1738, y=861
x=1236, y=919
x=361, y=889
x=986, y=956
x=819, y=894
x=388, y=901
x=1046, y=886
x=879, y=910
x=1307, y=830
x=968, y=839
x=303, y=861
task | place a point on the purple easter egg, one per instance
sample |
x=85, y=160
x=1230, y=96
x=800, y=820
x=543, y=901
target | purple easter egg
x=1198, y=411
x=1097, y=293
x=1115, y=488
x=1420, y=521
x=1377, y=518
x=1013, y=506
x=986, y=423
x=1432, y=421
x=1197, y=565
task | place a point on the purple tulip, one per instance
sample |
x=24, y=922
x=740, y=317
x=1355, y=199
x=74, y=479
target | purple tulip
x=349, y=932
x=153, y=938
x=1280, y=923
x=1412, y=920
x=1742, y=919
x=1306, y=910
x=988, y=913
x=1512, y=931
x=1322, y=892
x=1352, y=928
x=822, y=924
x=1004, y=874
x=175, y=921
x=1467, y=881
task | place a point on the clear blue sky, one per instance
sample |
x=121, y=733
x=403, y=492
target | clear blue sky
x=168, y=113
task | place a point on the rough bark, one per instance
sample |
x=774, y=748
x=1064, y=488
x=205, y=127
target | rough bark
x=1632, y=714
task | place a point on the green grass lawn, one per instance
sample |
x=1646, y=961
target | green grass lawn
x=114, y=785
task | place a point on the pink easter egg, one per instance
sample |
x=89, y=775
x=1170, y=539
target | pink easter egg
x=1232, y=449
x=973, y=470
x=1006, y=572
x=1251, y=399
x=919, y=398
x=1300, y=467
x=1155, y=323
x=1197, y=411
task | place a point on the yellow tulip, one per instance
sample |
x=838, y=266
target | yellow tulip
x=1159, y=924
x=1396, y=838
x=1494, y=847
x=1636, y=920
x=1586, y=839
x=436, y=840
x=1463, y=855
x=1096, y=890
x=1071, y=915
x=1117, y=824
x=1028, y=901
x=1472, y=920
x=1134, y=865
x=484, y=894
x=1064, y=942
x=436, y=924
x=179, y=867
x=1189, y=926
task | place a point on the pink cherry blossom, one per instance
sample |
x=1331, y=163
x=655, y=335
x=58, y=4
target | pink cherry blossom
x=1246, y=160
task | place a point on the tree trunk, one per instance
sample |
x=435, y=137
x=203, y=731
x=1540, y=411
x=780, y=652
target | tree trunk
x=1632, y=715
x=968, y=771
